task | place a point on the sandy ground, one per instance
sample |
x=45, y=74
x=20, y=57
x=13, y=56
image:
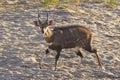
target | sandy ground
x=21, y=42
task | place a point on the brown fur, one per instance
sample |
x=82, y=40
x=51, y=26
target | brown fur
x=70, y=36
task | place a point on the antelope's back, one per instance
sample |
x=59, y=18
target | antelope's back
x=71, y=36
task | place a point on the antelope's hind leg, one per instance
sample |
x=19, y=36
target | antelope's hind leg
x=80, y=59
x=95, y=51
x=98, y=59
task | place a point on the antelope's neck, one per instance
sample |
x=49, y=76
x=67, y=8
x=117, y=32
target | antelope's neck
x=48, y=32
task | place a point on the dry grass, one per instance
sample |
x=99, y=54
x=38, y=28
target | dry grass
x=55, y=3
x=4, y=6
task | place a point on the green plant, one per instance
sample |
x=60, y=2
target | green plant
x=112, y=2
x=47, y=2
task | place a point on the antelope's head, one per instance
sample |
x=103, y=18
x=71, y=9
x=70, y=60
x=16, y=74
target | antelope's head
x=43, y=24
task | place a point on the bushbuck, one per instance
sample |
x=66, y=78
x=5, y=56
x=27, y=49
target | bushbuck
x=64, y=37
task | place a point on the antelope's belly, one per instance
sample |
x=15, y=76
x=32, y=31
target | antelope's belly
x=68, y=44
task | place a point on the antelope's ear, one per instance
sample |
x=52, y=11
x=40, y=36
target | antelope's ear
x=35, y=23
x=50, y=22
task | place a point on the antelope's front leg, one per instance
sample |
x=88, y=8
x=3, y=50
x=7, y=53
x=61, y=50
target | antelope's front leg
x=50, y=47
x=47, y=51
x=58, y=50
x=42, y=59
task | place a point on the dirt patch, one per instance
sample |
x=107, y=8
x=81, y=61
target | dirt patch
x=20, y=40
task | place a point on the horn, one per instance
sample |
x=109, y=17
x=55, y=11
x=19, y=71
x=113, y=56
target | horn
x=39, y=16
x=47, y=16
x=39, y=21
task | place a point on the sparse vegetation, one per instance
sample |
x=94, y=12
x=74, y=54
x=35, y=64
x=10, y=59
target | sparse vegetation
x=47, y=2
x=7, y=3
x=112, y=2
x=22, y=46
